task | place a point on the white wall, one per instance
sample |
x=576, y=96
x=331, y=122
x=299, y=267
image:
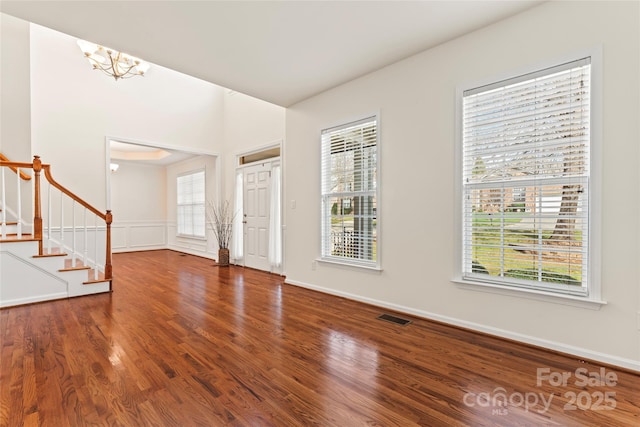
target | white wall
x=416, y=100
x=139, y=196
x=15, y=111
x=15, y=114
x=74, y=107
x=249, y=123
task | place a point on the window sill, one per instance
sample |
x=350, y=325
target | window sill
x=184, y=236
x=349, y=264
x=564, y=299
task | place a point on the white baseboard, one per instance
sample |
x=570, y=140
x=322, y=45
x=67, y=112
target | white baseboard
x=138, y=249
x=191, y=251
x=551, y=345
x=31, y=300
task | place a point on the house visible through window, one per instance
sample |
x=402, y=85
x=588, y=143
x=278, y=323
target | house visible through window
x=349, y=193
x=526, y=175
x=191, y=204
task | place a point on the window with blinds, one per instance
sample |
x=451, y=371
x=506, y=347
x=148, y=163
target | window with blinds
x=191, y=204
x=526, y=170
x=350, y=193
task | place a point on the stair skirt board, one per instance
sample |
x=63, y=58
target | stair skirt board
x=22, y=281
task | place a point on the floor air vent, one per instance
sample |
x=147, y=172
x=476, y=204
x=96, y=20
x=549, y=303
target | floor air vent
x=394, y=319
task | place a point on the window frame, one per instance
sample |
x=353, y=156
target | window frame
x=593, y=298
x=325, y=209
x=179, y=232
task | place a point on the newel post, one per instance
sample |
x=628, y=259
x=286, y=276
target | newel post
x=108, y=271
x=37, y=207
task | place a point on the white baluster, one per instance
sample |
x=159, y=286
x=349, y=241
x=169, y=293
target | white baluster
x=95, y=244
x=4, y=209
x=49, y=219
x=86, y=240
x=62, y=222
x=73, y=234
x=19, y=226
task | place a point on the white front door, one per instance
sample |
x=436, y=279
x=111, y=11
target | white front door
x=257, y=181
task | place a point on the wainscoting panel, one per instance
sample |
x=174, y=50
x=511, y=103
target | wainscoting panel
x=118, y=237
x=199, y=247
x=138, y=236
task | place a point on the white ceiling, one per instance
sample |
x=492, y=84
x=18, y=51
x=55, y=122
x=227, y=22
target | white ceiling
x=279, y=51
x=130, y=152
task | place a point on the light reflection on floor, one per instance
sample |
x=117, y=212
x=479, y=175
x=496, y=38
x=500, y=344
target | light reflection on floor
x=346, y=353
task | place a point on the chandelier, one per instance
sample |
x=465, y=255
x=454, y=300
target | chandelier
x=116, y=64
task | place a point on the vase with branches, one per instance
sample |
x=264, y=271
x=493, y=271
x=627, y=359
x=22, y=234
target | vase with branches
x=220, y=216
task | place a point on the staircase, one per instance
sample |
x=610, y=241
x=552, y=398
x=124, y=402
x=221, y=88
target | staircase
x=52, y=258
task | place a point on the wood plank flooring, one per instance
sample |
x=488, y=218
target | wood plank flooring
x=183, y=343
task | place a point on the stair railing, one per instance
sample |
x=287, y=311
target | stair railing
x=37, y=166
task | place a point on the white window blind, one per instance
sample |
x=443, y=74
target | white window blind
x=350, y=193
x=191, y=204
x=526, y=157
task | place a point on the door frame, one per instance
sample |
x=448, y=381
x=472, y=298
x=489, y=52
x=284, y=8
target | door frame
x=273, y=161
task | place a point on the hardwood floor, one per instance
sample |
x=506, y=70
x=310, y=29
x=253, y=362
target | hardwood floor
x=182, y=343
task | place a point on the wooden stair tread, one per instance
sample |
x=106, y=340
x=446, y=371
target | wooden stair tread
x=51, y=253
x=91, y=278
x=92, y=282
x=100, y=279
x=68, y=265
x=84, y=267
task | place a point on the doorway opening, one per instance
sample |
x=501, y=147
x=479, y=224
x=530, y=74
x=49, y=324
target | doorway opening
x=142, y=181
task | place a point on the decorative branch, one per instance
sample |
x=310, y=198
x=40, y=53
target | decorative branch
x=221, y=218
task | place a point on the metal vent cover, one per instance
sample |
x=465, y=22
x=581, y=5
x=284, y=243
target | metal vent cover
x=394, y=319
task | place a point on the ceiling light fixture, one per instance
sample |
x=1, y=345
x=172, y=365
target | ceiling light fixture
x=116, y=64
